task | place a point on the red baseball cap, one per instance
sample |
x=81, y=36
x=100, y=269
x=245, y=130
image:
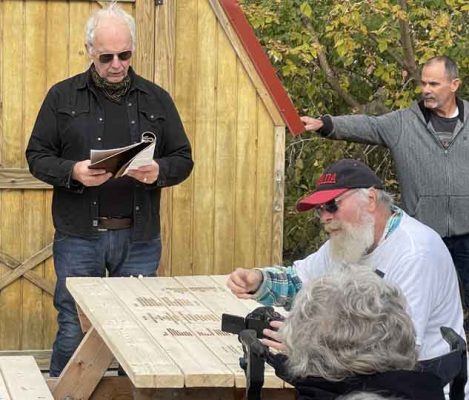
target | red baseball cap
x=337, y=179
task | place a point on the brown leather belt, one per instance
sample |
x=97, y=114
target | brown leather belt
x=109, y=223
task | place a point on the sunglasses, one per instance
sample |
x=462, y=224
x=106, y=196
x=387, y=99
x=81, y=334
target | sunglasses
x=107, y=58
x=332, y=206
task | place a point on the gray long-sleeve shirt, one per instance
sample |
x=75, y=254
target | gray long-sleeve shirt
x=434, y=180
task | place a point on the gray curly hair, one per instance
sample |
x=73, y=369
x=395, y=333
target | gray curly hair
x=111, y=10
x=349, y=323
x=366, y=396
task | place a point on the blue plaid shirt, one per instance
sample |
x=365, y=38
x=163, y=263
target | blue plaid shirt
x=279, y=287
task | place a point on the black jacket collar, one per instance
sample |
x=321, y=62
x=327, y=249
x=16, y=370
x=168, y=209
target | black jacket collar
x=427, y=113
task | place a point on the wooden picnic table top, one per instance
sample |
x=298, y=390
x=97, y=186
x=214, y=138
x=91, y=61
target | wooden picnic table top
x=166, y=331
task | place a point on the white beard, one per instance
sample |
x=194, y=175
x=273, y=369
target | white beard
x=353, y=242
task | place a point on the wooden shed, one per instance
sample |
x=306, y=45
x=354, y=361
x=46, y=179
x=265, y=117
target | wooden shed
x=228, y=214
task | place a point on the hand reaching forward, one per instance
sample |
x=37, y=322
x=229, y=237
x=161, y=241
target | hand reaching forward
x=87, y=176
x=243, y=282
x=312, y=124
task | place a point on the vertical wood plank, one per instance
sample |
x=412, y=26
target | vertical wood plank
x=225, y=155
x=33, y=307
x=165, y=45
x=246, y=173
x=2, y=94
x=204, y=141
x=10, y=297
x=165, y=54
x=185, y=81
x=12, y=64
x=11, y=201
x=265, y=186
x=145, y=25
x=50, y=315
x=78, y=60
x=33, y=213
x=57, y=54
x=279, y=195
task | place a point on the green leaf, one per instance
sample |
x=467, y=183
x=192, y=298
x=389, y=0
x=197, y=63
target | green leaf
x=306, y=10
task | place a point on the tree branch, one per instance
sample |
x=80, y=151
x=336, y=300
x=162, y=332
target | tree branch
x=406, y=41
x=326, y=68
x=374, y=107
x=394, y=55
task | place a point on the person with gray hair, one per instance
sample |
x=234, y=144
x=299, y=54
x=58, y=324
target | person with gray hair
x=429, y=146
x=104, y=225
x=357, y=324
x=365, y=228
x=360, y=337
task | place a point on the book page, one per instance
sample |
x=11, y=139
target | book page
x=145, y=157
x=99, y=155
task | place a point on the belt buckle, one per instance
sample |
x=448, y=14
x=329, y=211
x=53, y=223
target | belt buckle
x=98, y=221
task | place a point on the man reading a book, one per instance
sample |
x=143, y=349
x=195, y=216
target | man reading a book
x=103, y=223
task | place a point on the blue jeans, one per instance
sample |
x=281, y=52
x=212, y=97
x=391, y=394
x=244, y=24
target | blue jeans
x=113, y=251
x=458, y=246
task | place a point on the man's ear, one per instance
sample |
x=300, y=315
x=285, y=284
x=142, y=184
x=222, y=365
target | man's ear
x=372, y=199
x=455, y=85
x=88, y=50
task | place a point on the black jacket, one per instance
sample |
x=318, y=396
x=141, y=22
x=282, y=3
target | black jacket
x=408, y=385
x=71, y=122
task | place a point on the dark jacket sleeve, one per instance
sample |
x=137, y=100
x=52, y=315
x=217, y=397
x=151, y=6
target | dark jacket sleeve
x=175, y=156
x=44, y=149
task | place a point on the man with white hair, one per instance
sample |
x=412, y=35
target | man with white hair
x=102, y=223
x=366, y=228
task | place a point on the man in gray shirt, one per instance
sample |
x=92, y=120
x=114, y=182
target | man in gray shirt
x=429, y=142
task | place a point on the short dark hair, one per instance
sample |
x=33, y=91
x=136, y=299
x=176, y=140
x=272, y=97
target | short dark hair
x=450, y=66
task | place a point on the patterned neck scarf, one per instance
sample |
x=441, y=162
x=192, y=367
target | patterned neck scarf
x=112, y=91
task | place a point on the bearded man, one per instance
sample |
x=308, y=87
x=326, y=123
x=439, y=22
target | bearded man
x=366, y=228
x=429, y=146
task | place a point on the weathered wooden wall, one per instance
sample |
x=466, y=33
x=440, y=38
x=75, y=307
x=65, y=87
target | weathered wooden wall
x=229, y=213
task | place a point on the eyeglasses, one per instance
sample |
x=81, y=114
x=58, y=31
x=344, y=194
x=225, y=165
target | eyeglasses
x=108, y=57
x=332, y=206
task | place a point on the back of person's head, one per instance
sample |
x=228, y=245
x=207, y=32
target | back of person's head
x=110, y=11
x=346, y=324
x=365, y=396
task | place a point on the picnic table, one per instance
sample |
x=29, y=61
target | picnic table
x=165, y=332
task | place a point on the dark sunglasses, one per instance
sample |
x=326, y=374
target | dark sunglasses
x=107, y=58
x=333, y=205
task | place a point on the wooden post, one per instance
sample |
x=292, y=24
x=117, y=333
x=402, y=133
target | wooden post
x=85, y=369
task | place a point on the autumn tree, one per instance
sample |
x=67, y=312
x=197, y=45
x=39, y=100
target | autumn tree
x=350, y=56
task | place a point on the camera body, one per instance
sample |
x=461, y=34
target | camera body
x=257, y=320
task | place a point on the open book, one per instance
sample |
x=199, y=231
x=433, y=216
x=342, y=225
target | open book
x=118, y=161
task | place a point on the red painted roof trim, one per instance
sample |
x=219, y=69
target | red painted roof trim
x=263, y=66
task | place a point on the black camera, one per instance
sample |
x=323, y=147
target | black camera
x=249, y=331
x=257, y=320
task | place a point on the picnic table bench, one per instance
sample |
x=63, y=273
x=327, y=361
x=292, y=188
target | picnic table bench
x=164, y=332
x=21, y=379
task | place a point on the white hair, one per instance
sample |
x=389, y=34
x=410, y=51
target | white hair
x=346, y=324
x=365, y=396
x=382, y=197
x=112, y=10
